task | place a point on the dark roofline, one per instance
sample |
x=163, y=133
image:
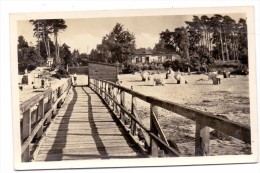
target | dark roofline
x=102, y=63
x=158, y=54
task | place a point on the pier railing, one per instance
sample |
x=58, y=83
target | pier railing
x=156, y=141
x=38, y=112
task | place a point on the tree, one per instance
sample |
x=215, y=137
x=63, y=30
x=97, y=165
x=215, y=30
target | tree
x=216, y=22
x=65, y=55
x=181, y=35
x=28, y=58
x=117, y=46
x=242, y=40
x=22, y=43
x=84, y=59
x=75, y=59
x=57, y=26
x=177, y=41
x=40, y=47
x=42, y=30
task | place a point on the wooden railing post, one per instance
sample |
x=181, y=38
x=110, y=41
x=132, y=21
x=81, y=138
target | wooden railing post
x=26, y=131
x=54, y=98
x=154, y=149
x=122, y=102
x=201, y=139
x=105, y=91
x=58, y=96
x=133, y=112
x=109, y=93
x=115, y=97
x=96, y=89
x=40, y=112
x=102, y=88
x=99, y=87
x=49, y=107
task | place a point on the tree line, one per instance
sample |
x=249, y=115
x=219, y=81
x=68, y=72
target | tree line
x=30, y=56
x=204, y=42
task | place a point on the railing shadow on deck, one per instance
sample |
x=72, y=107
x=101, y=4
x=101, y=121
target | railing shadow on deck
x=62, y=130
x=157, y=143
x=37, y=113
x=94, y=130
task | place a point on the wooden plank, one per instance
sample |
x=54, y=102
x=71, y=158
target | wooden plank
x=86, y=138
x=92, y=151
x=74, y=112
x=57, y=157
x=85, y=145
x=87, y=125
x=85, y=134
x=82, y=120
x=86, y=142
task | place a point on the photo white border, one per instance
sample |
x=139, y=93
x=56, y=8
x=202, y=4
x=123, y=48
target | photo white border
x=146, y=162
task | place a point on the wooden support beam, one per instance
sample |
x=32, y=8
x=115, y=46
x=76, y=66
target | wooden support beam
x=26, y=131
x=40, y=112
x=133, y=112
x=158, y=127
x=58, y=96
x=122, y=102
x=50, y=106
x=201, y=139
x=153, y=144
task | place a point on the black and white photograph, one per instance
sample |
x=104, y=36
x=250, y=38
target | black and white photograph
x=134, y=88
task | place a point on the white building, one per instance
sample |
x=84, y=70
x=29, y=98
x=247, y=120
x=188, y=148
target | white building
x=49, y=61
x=143, y=55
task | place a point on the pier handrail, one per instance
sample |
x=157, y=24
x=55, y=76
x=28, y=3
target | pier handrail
x=38, y=111
x=204, y=120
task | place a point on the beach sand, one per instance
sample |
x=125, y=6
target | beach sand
x=229, y=99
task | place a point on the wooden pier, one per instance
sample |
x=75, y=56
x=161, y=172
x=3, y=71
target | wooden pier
x=92, y=122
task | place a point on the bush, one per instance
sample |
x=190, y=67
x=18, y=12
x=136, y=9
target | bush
x=153, y=67
x=241, y=70
x=227, y=64
x=167, y=64
x=131, y=68
x=235, y=67
x=57, y=75
x=176, y=65
x=160, y=67
x=61, y=73
x=145, y=67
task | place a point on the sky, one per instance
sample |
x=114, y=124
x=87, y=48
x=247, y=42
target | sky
x=85, y=34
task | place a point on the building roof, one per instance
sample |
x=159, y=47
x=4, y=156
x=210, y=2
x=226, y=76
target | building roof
x=50, y=59
x=143, y=51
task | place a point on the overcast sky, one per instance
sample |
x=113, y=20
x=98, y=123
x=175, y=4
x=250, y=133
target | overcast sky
x=85, y=34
